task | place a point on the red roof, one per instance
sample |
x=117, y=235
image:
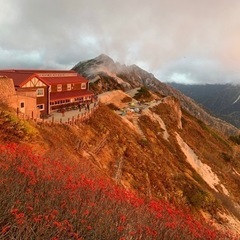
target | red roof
x=18, y=78
x=37, y=71
x=61, y=80
x=69, y=94
x=49, y=77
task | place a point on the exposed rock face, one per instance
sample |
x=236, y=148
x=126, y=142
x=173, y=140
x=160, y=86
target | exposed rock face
x=105, y=75
x=7, y=84
x=7, y=90
x=174, y=104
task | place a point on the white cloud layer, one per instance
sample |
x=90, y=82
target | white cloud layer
x=177, y=40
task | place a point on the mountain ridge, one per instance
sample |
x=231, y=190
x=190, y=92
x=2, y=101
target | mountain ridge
x=221, y=99
x=160, y=152
x=104, y=75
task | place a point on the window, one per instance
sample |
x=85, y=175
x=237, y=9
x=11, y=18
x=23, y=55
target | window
x=40, y=107
x=40, y=92
x=83, y=86
x=59, y=87
x=22, y=105
x=69, y=87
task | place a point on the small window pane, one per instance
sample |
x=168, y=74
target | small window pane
x=59, y=87
x=40, y=106
x=40, y=92
x=83, y=86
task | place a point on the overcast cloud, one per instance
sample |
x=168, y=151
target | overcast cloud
x=177, y=40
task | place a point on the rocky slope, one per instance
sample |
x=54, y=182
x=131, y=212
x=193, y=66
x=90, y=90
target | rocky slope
x=104, y=75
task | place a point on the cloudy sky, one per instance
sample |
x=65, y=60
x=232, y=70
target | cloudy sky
x=177, y=40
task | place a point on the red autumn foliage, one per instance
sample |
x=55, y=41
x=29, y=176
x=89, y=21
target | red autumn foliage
x=45, y=198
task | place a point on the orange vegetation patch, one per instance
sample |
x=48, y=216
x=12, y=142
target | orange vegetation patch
x=55, y=199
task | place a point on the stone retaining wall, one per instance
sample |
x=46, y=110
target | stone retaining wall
x=7, y=91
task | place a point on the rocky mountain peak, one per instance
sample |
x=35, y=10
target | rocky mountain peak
x=104, y=59
x=101, y=60
x=105, y=75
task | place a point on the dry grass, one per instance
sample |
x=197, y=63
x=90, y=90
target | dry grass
x=154, y=165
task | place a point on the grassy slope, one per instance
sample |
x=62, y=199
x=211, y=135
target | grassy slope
x=155, y=165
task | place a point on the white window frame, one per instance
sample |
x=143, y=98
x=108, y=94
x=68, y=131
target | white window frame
x=41, y=94
x=59, y=87
x=21, y=105
x=42, y=108
x=69, y=86
x=83, y=85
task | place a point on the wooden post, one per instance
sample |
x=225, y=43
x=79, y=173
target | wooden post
x=52, y=119
x=32, y=115
x=60, y=120
x=17, y=111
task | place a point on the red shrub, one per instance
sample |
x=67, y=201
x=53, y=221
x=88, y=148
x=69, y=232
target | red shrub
x=53, y=199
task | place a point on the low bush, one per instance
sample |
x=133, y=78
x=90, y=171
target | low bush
x=235, y=139
x=142, y=93
x=13, y=128
x=50, y=198
x=113, y=107
x=126, y=99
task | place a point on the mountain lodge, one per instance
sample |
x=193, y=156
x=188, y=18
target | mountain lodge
x=52, y=90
